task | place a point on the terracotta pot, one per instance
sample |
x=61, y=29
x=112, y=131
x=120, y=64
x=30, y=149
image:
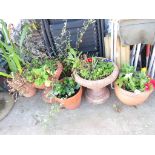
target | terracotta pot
x=56, y=76
x=46, y=98
x=28, y=90
x=130, y=98
x=96, y=91
x=39, y=87
x=69, y=103
x=73, y=102
x=58, y=71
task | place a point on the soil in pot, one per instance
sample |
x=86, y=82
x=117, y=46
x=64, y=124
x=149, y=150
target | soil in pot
x=130, y=98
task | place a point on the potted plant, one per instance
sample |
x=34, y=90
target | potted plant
x=133, y=87
x=10, y=54
x=66, y=92
x=42, y=73
x=94, y=73
x=19, y=84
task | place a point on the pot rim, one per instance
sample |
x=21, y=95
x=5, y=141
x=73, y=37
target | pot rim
x=115, y=71
x=132, y=93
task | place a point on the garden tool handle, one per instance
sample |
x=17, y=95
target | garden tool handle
x=148, y=50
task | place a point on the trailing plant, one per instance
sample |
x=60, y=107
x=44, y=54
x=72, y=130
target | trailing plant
x=63, y=41
x=64, y=49
x=82, y=31
x=65, y=88
x=45, y=120
x=40, y=72
x=134, y=81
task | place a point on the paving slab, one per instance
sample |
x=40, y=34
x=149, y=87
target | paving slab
x=28, y=117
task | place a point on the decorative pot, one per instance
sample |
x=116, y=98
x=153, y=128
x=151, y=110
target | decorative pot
x=73, y=102
x=69, y=103
x=56, y=76
x=28, y=90
x=96, y=91
x=130, y=98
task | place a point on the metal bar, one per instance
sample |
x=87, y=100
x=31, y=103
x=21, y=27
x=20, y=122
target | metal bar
x=50, y=37
x=102, y=22
x=133, y=54
x=153, y=69
x=115, y=40
x=45, y=38
x=151, y=61
x=99, y=37
x=112, y=41
x=137, y=55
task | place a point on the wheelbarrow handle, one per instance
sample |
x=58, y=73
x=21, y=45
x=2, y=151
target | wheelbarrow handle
x=148, y=50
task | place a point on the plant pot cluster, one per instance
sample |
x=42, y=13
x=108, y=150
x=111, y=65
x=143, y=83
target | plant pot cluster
x=63, y=78
x=92, y=73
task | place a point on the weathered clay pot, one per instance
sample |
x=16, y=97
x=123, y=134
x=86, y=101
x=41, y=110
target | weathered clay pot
x=96, y=91
x=56, y=76
x=71, y=103
x=58, y=71
x=28, y=90
x=24, y=88
x=45, y=96
x=130, y=98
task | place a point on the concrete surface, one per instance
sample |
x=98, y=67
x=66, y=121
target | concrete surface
x=28, y=115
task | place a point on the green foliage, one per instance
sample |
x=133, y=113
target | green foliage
x=5, y=75
x=39, y=72
x=65, y=88
x=73, y=58
x=95, y=70
x=9, y=51
x=132, y=80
